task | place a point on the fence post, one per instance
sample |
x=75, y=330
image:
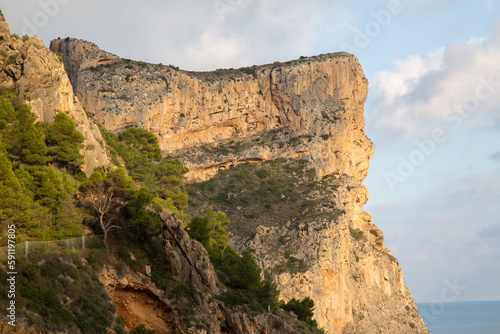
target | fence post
x=83, y=242
x=26, y=248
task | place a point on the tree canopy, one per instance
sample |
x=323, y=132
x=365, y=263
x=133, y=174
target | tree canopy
x=141, y=156
x=36, y=196
x=240, y=272
x=64, y=141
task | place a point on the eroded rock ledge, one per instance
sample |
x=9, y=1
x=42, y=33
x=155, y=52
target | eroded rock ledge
x=139, y=301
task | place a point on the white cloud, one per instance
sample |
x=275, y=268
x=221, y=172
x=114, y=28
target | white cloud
x=422, y=89
x=218, y=51
x=193, y=34
x=409, y=72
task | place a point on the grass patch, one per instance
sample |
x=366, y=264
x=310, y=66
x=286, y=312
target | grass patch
x=357, y=234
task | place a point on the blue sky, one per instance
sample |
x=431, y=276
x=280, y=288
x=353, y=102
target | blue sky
x=433, y=110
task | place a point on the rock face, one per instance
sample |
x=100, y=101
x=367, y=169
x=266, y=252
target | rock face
x=319, y=99
x=38, y=75
x=337, y=257
x=309, y=109
x=189, y=260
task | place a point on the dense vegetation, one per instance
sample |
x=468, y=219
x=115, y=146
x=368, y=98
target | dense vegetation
x=47, y=197
x=303, y=309
x=39, y=166
x=61, y=292
x=241, y=274
x=238, y=272
x=137, y=150
x=40, y=176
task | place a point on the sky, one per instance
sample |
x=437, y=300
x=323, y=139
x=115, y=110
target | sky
x=433, y=109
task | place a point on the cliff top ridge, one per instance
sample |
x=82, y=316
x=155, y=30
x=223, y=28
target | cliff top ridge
x=93, y=52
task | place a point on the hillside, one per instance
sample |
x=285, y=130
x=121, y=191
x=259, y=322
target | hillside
x=144, y=273
x=225, y=202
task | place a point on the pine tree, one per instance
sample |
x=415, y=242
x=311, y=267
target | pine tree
x=217, y=222
x=199, y=230
x=64, y=142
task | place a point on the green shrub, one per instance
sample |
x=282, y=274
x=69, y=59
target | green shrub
x=11, y=60
x=262, y=173
x=93, y=315
x=182, y=290
x=98, y=258
x=356, y=233
x=199, y=230
x=295, y=265
x=118, y=327
x=141, y=329
x=237, y=297
x=61, y=296
x=303, y=309
x=160, y=263
x=64, y=141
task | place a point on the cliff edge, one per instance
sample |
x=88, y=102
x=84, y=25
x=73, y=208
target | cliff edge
x=300, y=124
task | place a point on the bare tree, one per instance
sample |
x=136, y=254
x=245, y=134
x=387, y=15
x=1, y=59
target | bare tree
x=106, y=203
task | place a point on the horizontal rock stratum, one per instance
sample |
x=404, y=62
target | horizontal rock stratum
x=309, y=109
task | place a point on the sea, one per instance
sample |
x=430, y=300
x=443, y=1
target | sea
x=474, y=317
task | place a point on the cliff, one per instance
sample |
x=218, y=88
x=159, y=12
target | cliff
x=319, y=99
x=38, y=75
x=316, y=241
x=304, y=223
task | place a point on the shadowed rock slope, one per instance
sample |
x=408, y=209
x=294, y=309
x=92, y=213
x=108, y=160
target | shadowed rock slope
x=281, y=148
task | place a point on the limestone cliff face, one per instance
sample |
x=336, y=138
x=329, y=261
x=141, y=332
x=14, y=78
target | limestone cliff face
x=338, y=259
x=38, y=75
x=309, y=109
x=319, y=99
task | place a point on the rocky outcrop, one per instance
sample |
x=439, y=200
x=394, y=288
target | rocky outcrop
x=38, y=75
x=318, y=99
x=139, y=301
x=190, y=262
